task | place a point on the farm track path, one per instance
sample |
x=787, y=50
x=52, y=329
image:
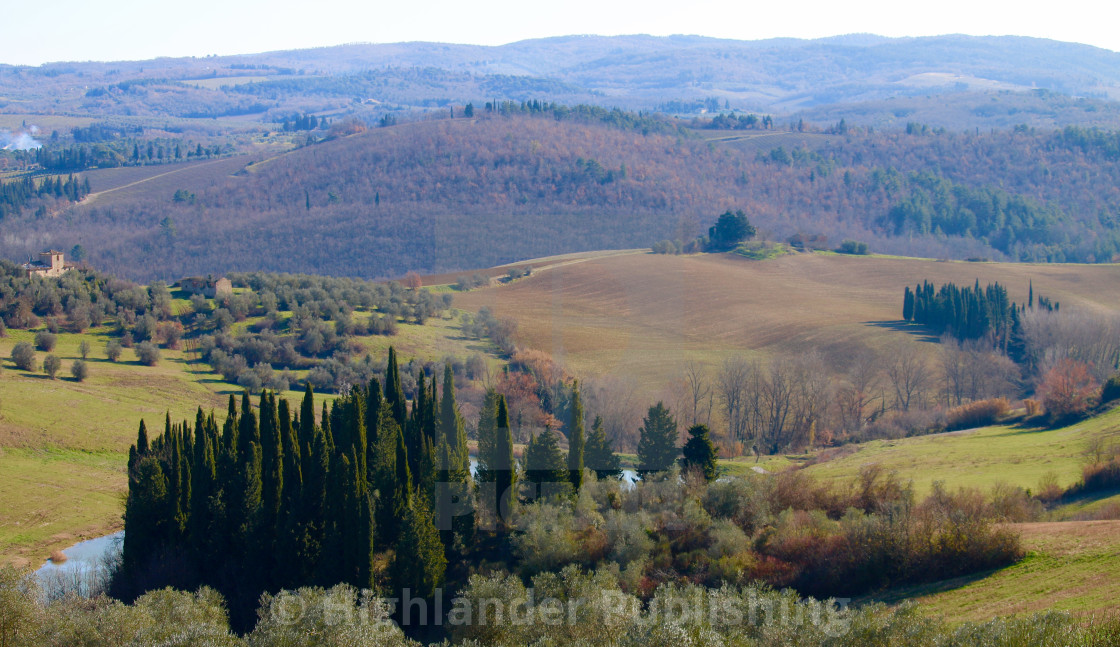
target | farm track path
x=91, y=198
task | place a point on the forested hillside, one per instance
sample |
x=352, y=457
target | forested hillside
x=454, y=194
x=676, y=74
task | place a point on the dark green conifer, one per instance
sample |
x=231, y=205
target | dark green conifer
x=574, y=427
x=657, y=444
x=599, y=454
x=699, y=453
x=545, y=466
x=145, y=514
x=142, y=444
x=394, y=394
x=307, y=420
x=503, y=466
x=272, y=467
x=248, y=431
x=450, y=421
x=420, y=563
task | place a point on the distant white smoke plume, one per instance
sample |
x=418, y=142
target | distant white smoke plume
x=19, y=141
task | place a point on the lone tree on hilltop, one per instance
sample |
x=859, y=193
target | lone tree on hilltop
x=730, y=230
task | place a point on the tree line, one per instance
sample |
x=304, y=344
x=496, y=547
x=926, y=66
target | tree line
x=18, y=195
x=276, y=497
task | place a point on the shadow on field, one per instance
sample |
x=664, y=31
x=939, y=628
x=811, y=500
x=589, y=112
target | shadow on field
x=897, y=325
x=895, y=596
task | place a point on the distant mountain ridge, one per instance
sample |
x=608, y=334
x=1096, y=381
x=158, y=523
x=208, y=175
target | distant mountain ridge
x=677, y=74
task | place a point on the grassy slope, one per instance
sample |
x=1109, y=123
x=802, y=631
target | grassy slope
x=63, y=444
x=643, y=315
x=1070, y=566
x=980, y=457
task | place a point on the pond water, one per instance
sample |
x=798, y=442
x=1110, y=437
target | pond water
x=629, y=477
x=85, y=568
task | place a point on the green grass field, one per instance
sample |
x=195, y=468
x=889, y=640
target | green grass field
x=980, y=458
x=64, y=444
x=1070, y=566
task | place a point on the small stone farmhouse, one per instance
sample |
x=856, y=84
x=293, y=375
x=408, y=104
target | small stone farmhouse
x=208, y=287
x=50, y=263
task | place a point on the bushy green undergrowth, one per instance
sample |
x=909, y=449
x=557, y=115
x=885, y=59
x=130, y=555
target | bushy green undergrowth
x=572, y=607
x=785, y=531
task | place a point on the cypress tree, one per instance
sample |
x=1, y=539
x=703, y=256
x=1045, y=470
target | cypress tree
x=142, y=445
x=174, y=473
x=404, y=473
x=413, y=429
x=373, y=415
x=248, y=432
x=487, y=450
x=453, y=507
x=145, y=515
x=272, y=468
x=545, y=466
x=420, y=564
x=450, y=422
x=699, y=453
x=228, y=455
x=332, y=565
x=504, y=468
x=657, y=445
x=575, y=439
x=203, y=474
x=389, y=483
x=325, y=426
x=312, y=519
x=307, y=419
x=599, y=454
x=394, y=394
x=454, y=510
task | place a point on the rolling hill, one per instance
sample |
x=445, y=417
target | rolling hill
x=680, y=74
x=447, y=195
x=641, y=316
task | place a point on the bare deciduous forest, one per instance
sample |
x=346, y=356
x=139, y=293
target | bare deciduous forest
x=454, y=194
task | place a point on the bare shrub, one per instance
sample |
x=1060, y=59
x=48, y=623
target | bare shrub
x=977, y=414
x=1067, y=390
x=1014, y=504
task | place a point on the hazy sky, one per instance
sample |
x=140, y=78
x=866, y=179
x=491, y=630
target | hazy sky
x=59, y=30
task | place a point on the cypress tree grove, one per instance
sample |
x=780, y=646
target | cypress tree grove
x=275, y=500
